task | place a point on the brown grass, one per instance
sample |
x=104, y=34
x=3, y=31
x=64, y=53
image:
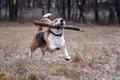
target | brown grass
x=93, y=54
x=77, y=58
x=32, y=76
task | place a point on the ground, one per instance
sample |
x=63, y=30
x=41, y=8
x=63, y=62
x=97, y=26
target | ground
x=95, y=54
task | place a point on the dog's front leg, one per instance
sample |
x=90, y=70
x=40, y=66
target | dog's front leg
x=64, y=50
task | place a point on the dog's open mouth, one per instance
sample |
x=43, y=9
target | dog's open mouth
x=61, y=23
x=60, y=26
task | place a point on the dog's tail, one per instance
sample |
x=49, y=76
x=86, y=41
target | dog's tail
x=44, y=19
x=47, y=15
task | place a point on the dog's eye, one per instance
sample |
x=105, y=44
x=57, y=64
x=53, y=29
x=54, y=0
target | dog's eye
x=56, y=20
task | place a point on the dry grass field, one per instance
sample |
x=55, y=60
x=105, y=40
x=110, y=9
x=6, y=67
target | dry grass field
x=95, y=55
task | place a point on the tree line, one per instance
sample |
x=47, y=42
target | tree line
x=73, y=10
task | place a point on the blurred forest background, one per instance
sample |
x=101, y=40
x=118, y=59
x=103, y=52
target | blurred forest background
x=84, y=11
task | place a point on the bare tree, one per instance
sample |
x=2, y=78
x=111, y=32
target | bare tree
x=74, y=10
x=21, y=4
x=13, y=10
x=81, y=4
x=63, y=9
x=49, y=5
x=6, y=8
x=28, y=3
x=111, y=12
x=59, y=7
x=69, y=8
x=43, y=7
x=0, y=9
x=96, y=11
x=117, y=7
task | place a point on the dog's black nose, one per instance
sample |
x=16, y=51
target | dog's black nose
x=61, y=20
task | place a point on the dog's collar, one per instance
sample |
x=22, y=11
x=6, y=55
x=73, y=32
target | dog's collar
x=59, y=35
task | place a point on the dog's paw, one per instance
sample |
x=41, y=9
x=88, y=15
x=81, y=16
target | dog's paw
x=67, y=58
x=31, y=55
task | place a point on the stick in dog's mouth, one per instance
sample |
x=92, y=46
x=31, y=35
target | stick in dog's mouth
x=69, y=27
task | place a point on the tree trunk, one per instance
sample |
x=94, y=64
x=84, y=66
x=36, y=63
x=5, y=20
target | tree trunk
x=82, y=17
x=48, y=7
x=81, y=6
x=32, y=3
x=28, y=3
x=13, y=10
x=69, y=9
x=117, y=7
x=39, y=3
x=21, y=5
x=43, y=7
x=63, y=9
x=59, y=7
x=96, y=11
x=0, y=9
x=111, y=12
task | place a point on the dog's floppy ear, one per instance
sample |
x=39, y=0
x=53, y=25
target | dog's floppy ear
x=45, y=20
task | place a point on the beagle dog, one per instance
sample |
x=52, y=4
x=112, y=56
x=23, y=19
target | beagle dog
x=50, y=40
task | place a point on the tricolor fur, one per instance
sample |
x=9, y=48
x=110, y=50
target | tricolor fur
x=51, y=39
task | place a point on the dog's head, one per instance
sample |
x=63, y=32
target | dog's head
x=58, y=21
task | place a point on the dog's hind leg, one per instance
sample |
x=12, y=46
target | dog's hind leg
x=33, y=47
x=42, y=57
x=31, y=54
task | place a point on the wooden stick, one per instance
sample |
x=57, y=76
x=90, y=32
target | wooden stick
x=69, y=27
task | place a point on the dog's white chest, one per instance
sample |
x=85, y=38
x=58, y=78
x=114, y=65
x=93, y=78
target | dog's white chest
x=56, y=41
